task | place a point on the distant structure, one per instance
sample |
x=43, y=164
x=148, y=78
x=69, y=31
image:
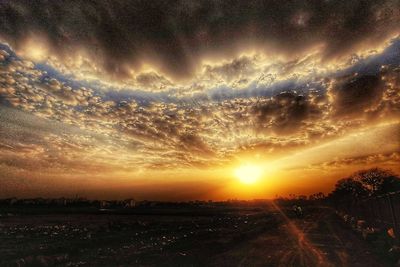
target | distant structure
x=130, y=203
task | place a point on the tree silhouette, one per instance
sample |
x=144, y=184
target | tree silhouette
x=348, y=188
x=378, y=181
x=365, y=183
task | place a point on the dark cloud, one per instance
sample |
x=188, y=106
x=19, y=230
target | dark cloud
x=284, y=113
x=193, y=142
x=174, y=34
x=354, y=94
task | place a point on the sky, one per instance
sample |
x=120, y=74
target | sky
x=183, y=100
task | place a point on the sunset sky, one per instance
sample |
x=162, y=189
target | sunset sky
x=176, y=100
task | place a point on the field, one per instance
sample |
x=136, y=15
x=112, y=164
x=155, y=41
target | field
x=242, y=235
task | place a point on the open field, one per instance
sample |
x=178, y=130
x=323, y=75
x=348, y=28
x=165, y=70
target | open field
x=263, y=235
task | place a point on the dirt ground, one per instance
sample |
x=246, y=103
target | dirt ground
x=317, y=239
x=265, y=236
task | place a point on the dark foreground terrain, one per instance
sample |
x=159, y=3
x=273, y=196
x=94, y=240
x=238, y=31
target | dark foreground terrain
x=263, y=235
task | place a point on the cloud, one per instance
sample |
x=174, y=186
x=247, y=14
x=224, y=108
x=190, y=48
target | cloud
x=66, y=126
x=153, y=81
x=355, y=93
x=174, y=36
x=390, y=160
x=285, y=112
x=237, y=69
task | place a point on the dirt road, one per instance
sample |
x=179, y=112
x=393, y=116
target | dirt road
x=317, y=239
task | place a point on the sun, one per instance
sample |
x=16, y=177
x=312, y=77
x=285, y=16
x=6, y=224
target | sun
x=248, y=174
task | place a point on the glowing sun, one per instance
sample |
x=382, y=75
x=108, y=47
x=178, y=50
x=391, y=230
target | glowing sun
x=248, y=174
